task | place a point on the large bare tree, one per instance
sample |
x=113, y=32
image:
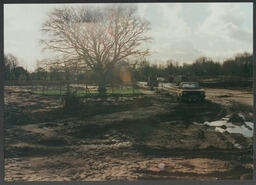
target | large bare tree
x=96, y=38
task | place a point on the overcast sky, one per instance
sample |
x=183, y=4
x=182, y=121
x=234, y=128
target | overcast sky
x=180, y=31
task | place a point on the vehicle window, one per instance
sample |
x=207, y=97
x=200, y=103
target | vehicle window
x=191, y=86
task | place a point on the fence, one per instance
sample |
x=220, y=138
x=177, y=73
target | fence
x=50, y=87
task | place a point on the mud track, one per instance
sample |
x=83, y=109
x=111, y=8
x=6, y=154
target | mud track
x=121, y=139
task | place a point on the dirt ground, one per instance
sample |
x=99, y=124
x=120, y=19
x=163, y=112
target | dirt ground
x=228, y=97
x=150, y=136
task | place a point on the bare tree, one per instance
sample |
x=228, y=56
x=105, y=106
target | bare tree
x=96, y=39
x=10, y=64
x=11, y=60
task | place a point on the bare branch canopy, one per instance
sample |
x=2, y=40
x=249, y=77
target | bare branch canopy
x=96, y=38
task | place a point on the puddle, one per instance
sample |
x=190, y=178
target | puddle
x=236, y=129
x=223, y=125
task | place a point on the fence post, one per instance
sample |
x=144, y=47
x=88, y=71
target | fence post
x=60, y=87
x=112, y=88
x=43, y=88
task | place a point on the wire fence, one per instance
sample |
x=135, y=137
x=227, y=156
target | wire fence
x=60, y=88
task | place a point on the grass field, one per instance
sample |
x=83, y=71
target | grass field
x=92, y=93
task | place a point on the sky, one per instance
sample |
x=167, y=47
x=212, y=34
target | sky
x=180, y=31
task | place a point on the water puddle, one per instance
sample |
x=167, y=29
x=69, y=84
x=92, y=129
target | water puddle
x=224, y=126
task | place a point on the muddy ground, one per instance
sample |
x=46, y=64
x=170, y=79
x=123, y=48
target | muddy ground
x=151, y=136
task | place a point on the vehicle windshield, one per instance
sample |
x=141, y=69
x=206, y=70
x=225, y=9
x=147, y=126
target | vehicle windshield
x=190, y=86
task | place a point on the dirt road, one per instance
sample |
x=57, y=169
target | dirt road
x=223, y=96
x=227, y=96
x=130, y=138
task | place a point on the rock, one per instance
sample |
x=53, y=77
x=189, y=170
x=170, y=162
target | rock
x=226, y=132
x=161, y=166
x=236, y=119
x=223, y=126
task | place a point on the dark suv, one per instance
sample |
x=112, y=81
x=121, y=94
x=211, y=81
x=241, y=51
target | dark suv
x=190, y=91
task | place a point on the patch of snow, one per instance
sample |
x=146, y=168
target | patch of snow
x=237, y=146
x=216, y=123
x=231, y=128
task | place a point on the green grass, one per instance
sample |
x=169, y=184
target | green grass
x=92, y=93
x=123, y=91
x=57, y=93
x=49, y=92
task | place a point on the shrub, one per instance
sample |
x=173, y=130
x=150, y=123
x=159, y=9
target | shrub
x=72, y=101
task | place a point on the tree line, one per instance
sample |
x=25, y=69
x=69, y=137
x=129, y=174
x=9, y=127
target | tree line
x=240, y=66
x=12, y=71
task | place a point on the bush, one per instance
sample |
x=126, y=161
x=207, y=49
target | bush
x=72, y=101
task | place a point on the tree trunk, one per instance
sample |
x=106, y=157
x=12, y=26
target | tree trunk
x=68, y=87
x=43, y=88
x=47, y=85
x=86, y=89
x=67, y=81
x=60, y=86
x=102, y=88
x=101, y=82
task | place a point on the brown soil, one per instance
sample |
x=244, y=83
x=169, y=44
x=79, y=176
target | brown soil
x=122, y=139
x=227, y=96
